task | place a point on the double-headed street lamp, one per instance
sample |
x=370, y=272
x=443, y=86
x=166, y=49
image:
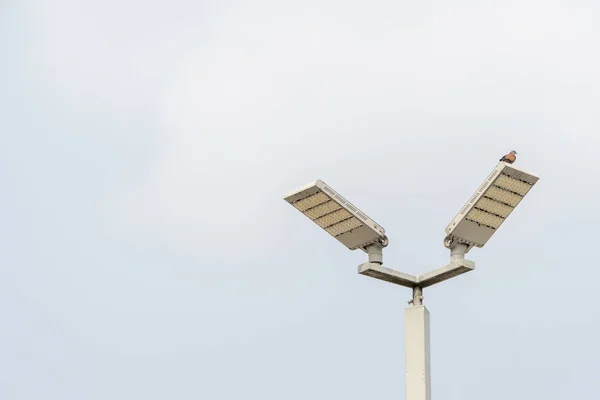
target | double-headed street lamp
x=474, y=225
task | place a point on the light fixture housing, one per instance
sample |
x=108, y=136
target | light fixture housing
x=337, y=216
x=489, y=207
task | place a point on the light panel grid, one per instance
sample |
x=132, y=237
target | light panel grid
x=503, y=196
x=311, y=201
x=333, y=218
x=322, y=209
x=514, y=185
x=484, y=218
x=493, y=207
x=344, y=226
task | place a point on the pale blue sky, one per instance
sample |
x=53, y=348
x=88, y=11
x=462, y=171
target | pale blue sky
x=146, y=251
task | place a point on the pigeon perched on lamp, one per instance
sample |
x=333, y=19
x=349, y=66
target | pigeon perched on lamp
x=510, y=157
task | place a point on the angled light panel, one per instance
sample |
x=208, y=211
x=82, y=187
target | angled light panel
x=337, y=216
x=489, y=207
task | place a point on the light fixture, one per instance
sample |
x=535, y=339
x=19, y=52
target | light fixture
x=489, y=207
x=337, y=216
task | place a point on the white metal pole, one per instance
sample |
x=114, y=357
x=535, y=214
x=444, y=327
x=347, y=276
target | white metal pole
x=418, y=363
x=416, y=318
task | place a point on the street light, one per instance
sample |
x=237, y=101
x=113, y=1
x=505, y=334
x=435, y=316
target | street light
x=338, y=217
x=476, y=222
x=491, y=204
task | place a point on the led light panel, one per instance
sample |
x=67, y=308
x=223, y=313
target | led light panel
x=512, y=185
x=493, y=207
x=503, y=196
x=334, y=218
x=343, y=227
x=335, y=215
x=489, y=207
x=323, y=209
x=484, y=218
x=311, y=201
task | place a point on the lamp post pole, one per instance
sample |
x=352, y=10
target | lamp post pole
x=417, y=349
x=416, y=316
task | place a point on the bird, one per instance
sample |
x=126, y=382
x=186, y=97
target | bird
x=510, y=157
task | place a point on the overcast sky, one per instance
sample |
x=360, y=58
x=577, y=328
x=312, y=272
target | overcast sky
x=145, y=248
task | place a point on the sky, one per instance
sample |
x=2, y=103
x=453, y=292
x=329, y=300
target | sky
x=146, y=251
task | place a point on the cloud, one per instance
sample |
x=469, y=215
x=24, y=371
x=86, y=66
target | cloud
x=250, y=102
x=404, y=107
